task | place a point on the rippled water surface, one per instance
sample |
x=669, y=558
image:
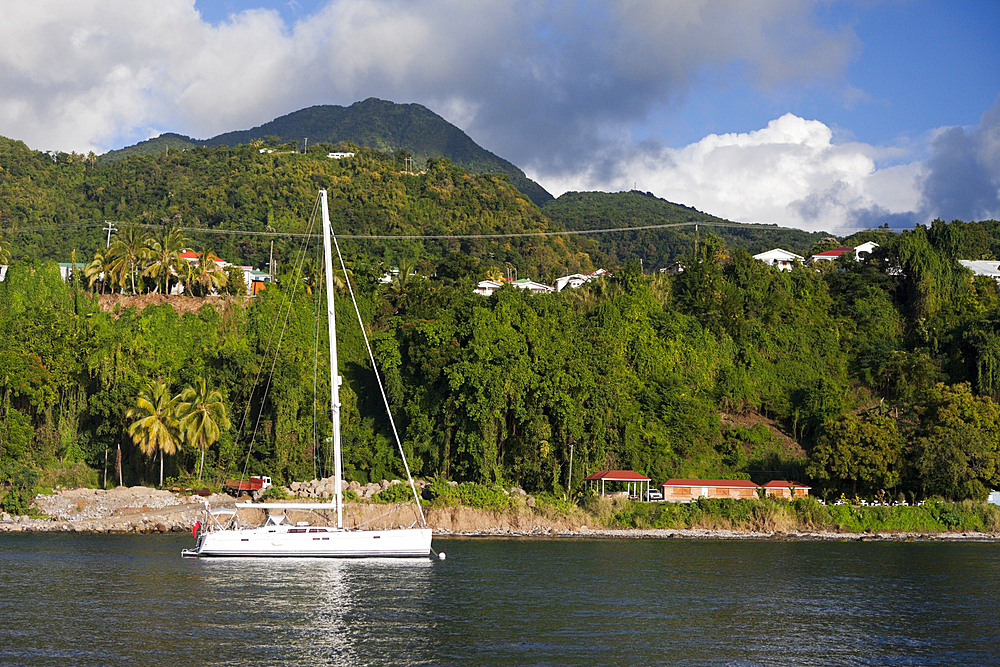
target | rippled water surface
x=131, y=600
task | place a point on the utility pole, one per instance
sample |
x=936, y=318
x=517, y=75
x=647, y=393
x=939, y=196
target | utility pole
x=305, y=148
x=569, y=480
x=110, y=228
x=270, y=263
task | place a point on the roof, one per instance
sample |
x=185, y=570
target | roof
x=781, y=484
x=836, y=252
x=778, y=254
x=982, y=268
x=617, y=476
x=727, y=483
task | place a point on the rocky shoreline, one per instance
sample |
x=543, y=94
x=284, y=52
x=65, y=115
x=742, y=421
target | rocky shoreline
x=145, y=510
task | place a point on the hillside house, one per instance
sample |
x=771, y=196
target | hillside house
x=531, y=286
x=988, y=268
x=487, y=287
x=780, y=259
x=830, y=255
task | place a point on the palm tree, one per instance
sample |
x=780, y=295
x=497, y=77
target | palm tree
x=165, y=251
x=156, y=428
x=99, y=269
x=202, y=416
x=131, y=249
x=209, y=275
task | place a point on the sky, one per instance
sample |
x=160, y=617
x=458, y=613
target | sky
x=830, y=115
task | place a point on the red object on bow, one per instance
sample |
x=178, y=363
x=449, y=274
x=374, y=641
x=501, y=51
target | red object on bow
x=194, y=529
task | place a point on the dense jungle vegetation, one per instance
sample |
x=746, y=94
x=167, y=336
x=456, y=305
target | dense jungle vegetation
x=873, y=377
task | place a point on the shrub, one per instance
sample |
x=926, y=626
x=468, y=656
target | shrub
x=477, y=496
x=394, y=493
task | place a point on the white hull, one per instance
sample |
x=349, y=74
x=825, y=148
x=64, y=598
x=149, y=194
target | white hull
x=312, y=542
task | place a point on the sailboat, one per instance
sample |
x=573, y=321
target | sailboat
x=222, y=535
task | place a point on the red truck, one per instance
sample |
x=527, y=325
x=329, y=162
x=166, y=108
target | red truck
x=255, y=486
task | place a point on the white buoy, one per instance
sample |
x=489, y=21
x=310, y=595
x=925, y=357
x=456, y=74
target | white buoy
x=441, y=555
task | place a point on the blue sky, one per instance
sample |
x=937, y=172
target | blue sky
x=818, y=114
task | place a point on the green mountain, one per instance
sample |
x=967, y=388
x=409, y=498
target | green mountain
x=659, y=248
x=385, y=126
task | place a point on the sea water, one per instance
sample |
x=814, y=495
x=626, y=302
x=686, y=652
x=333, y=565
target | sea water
x=73, y=599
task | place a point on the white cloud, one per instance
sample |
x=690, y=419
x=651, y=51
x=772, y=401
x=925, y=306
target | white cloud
x=789, y=172
x=533, y=80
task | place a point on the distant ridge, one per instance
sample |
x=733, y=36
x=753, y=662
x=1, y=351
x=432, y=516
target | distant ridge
x=379, y=124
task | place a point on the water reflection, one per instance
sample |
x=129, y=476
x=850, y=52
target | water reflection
x=325, y=611
x=131, y=600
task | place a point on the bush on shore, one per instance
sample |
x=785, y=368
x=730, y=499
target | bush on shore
x=803, y=514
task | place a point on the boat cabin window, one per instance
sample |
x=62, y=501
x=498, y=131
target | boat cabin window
x=317, y=530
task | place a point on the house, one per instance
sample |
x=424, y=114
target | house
x=830, y=255
x=990, y=268
x=636, y=485
x=68, y=269
x=578, y=279
x=782, y=259
x=673, y=269
x=865, y=248
x=531, y=286
x=686, y=490
x=339, y=156
x=487, y=287
x=785, y=489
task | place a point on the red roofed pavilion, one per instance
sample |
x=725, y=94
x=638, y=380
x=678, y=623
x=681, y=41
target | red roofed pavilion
x=633, y=480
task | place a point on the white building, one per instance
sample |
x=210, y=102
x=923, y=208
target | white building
x=782, y=259
x=990, y=269
x=863, y=249
x=487, y=287
x=531, y=286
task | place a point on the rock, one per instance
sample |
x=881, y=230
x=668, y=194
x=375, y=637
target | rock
x=5, y=517
x=295, y=487
x=530, y=502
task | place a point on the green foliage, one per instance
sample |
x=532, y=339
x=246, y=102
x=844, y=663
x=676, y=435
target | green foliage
x=477, y=496
x=274, y=493
x=394, y=493
x=19, y=481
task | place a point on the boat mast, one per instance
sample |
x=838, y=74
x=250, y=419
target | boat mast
x=335, y=379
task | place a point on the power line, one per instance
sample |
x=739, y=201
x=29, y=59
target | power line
x=417, y=237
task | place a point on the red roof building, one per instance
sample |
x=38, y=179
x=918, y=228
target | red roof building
x=830, y=255
x=686, y=490
x=786, y=489
x=634, y=482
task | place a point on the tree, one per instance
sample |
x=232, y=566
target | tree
x=202, y=416
x=165, y=250
x=858, y=455
x=957, y=452
x=209, y=276
x=131, y=250
x=99, y=269
x=156, y=429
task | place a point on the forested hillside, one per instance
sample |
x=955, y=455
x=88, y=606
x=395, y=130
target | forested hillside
x=860, y=378
x=53, y=205
x=660, y=248
x=387, y=127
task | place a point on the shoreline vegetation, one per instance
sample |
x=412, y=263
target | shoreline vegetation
x=478, y=510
